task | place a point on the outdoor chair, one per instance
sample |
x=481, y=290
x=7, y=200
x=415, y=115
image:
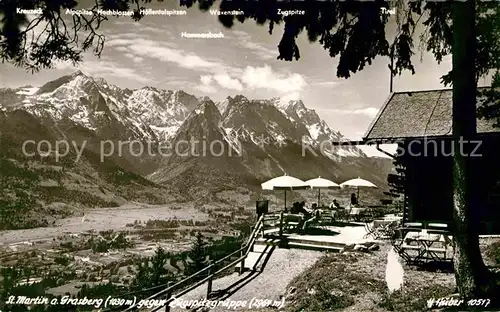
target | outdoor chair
x=411, y=254
x=370, y=230
x=291, y=222
x=386, y=230
x=402, y=243
x=389, y=230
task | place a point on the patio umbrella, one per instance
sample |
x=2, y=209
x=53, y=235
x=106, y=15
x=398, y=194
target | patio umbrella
x=320, y=183
x=285, y=183
x=357, y=183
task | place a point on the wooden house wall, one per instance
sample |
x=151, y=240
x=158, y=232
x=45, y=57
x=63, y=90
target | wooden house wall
x=488, y=177
x=428, y=179
x=428, y=185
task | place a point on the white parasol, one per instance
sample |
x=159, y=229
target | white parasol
x=285, y=183
x=320, y=183
x=357, y=183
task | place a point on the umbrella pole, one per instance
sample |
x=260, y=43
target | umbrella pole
x=285, y=199
x=358, y=197
x=319, y=196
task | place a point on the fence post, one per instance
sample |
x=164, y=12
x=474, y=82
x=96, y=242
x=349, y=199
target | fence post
x=251, y=237
x=242, y=264
x=262, y=227
x=209, y=284
x=281, y=225
x=281, y=230
x=169, y=294
x=252, y=228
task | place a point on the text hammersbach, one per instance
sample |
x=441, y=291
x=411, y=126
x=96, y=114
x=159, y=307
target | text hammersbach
x=208, y=35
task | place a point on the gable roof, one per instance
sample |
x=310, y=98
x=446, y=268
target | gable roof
x=418, y=114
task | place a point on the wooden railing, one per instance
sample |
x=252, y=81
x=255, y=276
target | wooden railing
x=168, y=292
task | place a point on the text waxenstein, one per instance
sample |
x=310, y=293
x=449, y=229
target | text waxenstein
x=217, y=12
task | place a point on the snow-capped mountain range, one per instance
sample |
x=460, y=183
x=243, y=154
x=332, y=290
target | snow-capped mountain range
x=156, y=115
x=269, y=133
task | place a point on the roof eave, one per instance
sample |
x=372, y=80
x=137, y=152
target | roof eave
x=376, y=118
x=373, y=141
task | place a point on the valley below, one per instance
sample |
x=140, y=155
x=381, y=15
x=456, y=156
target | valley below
x=106, y=247
x=102, y=219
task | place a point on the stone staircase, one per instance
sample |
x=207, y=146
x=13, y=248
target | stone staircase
x=308, y=242
x=314, y=244
x=264, y=246
x=270, y=236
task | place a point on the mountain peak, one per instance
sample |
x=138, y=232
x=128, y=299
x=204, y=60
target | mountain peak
x=208, y=105
x=148, y=88
x=78, y=77
x=209, y=110
x=297, y=104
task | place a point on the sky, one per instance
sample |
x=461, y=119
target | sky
x=152, y=52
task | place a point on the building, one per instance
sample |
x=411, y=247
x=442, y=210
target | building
x=421, y=124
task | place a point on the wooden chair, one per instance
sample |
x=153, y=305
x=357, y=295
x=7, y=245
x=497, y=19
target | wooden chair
x=386, y=231
x=370, y=230
x=291, y=222
x=402, y=246
x=407, y=252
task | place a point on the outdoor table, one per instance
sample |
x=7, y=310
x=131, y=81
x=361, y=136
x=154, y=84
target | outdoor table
x=427, y=240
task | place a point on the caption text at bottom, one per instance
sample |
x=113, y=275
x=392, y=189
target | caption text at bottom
x=254, y=303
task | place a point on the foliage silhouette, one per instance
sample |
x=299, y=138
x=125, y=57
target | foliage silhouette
x=197, y=254
x=152, y=272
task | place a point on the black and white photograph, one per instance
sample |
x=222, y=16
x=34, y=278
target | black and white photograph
x=249, y=155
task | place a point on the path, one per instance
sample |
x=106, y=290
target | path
x=281, y=268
